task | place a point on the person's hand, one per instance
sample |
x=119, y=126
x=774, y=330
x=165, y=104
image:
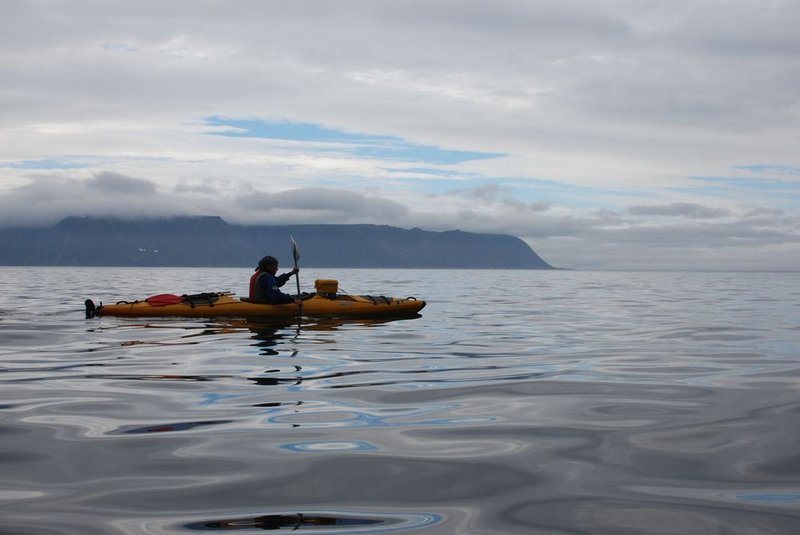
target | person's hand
x=298, y=301
x=295, y=270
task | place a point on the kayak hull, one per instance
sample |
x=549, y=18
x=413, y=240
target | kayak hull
x=226, y=305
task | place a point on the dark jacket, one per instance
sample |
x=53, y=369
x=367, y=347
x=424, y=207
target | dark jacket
x=264, y=289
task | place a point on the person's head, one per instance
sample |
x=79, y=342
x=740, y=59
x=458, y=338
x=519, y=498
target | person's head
x=268, y=264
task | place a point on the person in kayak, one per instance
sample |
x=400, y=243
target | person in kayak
x=265, y=283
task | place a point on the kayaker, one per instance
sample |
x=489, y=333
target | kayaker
x=265, y=283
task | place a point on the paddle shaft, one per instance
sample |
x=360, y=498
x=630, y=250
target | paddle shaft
x=297, y=278
x=296, y=256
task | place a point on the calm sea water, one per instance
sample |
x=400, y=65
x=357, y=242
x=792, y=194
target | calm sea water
x=519, y=402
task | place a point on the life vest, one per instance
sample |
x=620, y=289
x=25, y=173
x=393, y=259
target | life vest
x=256, y=292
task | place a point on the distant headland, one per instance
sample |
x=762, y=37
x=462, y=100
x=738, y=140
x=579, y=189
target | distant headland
x=209, y=241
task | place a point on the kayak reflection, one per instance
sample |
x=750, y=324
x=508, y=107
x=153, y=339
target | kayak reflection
x=271, y=337
x=280, y=521
x=268, y=334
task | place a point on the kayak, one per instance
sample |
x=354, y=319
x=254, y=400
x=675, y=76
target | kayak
x=225, y=304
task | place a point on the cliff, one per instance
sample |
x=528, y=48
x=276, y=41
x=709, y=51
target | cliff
x=210, y=241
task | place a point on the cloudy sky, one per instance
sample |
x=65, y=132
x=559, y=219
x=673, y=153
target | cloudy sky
x=609, y=134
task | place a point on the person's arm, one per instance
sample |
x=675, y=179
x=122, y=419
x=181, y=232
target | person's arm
x=273, y=294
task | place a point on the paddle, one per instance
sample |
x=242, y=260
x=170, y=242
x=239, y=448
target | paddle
x=296, y=256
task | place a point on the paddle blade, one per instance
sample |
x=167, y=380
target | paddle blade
x=295, y=252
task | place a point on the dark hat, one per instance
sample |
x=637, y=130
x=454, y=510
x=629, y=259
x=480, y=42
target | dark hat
x=266, y=262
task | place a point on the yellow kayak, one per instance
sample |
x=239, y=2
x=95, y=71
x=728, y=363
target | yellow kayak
x=224, y=304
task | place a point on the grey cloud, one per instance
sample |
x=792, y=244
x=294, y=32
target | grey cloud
x=46, y=199
x=605, y=239
x=349, y=205
x=537, y=206
x=732, y=246
x=116, y=183
x=745, y=29
x=765, y=212
x=492, y=193
x=606, y=61
x=489, y=192
x=486, y=193
x=678, y=209
x=607, y=227
x=504, y=19
x=203, y=188
x=734, y=234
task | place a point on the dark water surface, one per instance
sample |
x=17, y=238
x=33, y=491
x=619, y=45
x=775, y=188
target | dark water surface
x=520, y=402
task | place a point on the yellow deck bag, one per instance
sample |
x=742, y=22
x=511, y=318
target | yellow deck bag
x=326, y=286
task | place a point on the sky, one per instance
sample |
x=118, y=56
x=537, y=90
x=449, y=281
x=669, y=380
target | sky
x=607, y=134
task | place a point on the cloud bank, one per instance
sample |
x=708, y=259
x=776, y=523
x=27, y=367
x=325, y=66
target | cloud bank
x=670, y=236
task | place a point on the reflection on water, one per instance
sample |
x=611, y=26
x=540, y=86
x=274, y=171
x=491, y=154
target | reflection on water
x=300, y=521
x=536, y=402
x=167, y=428
x=295, y=521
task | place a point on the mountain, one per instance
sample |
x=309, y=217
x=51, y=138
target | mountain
x=210, y=241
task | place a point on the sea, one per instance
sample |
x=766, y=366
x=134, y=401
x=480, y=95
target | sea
x=518, y=402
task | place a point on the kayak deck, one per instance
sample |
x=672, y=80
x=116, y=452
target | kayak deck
x=224, y=304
